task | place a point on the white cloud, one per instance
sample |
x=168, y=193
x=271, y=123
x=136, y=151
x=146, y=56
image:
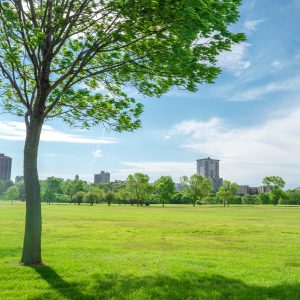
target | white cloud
x=248, y=154
x=15, y=131
x=251, y=25
x=195, y=128
x=97, y=153
x=277, y=66
x=289, y=85
x=235, y=60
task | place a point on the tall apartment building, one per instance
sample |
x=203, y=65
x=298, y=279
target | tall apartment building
x=209, y=168
x=102, y=177
x=5, y=167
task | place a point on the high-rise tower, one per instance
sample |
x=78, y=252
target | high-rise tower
x=5, y=167
x=209, y=168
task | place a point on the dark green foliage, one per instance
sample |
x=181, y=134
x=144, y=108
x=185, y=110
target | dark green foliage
x=293, y=198
x=4, y=185
x=12, y=193
x=139, y=187
x=110, y=197
x=71, y=187
x=248, y=199
x=177, y=198
x=123, y=196
x=227, y=192
x=263, y=198
x=196, y=187
x=164, y=187
x=276, y=185
x=78, y=197
x=57, y=61
x=50, y=188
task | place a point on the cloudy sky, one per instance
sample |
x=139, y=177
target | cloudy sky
x=249, y=119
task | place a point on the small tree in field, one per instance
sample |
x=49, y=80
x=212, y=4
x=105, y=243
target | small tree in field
x=91, y=197
x=73, y=59
x=78, y=197
x=276, y=185
x=138, y=187
x=197, y=187
x=227, y=191
x=110, y=196
x=50, y=187
x=165, y=188
x=12, y=193
x=123, y=195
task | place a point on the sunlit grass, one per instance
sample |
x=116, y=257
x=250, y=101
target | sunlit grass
x=176, y=252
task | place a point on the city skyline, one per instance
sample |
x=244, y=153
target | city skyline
x=207, y=167
x=248, y=118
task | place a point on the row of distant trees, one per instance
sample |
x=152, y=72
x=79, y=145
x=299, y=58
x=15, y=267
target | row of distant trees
x=138, y=191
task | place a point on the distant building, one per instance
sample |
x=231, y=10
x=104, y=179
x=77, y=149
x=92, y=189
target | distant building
x=179, y=187
x=247, y=190
x=119, y=181
x=5, y=167
x=19, y=179
x=209, y=168
x=77, y=177
x=102, y=177
x=243, y=190
x=263, y=189
x=253, y=190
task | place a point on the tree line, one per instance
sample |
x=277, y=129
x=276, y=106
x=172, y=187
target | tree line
x=137, y=190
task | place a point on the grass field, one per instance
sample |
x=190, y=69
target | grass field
x=176, y=252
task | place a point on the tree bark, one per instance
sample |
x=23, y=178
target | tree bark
x=33, y=223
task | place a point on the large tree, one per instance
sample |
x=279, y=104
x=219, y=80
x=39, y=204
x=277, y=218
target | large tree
x=227, y=191
x=275, y=185
x=73, y=58
x=197, y=187
x=165, y=188
x=138, y=186
x=50, y=187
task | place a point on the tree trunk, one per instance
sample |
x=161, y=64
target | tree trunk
x=33, y=223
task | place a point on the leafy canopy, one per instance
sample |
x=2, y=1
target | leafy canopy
x=138, y=186
x=164, y=188
x=196, y=186
x=276, y=185
x=227, y=190
x=76, y=59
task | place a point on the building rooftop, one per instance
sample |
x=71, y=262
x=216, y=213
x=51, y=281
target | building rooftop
x=208, y=158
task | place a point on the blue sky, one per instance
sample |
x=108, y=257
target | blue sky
x=249, y=119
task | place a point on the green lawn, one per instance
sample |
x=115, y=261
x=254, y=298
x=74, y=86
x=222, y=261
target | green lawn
x=176, y=252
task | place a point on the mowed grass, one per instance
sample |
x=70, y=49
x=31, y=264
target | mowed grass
x=176, y=252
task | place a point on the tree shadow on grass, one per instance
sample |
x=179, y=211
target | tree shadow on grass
x=66, y=289
x=188, y=285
